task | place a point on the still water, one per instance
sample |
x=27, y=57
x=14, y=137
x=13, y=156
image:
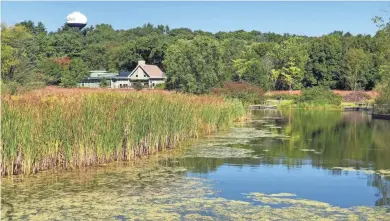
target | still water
x=280, y=165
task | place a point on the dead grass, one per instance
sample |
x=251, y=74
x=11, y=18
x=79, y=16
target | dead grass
x=54, y=90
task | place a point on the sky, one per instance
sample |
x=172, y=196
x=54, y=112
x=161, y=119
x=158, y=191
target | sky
x=302, y=18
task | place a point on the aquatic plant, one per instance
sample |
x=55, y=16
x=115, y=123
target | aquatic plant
x=81, y=129
x=149, y=191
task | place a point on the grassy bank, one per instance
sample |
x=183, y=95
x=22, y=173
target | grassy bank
x=320, y=99
x=40, y=132
x=317, y=98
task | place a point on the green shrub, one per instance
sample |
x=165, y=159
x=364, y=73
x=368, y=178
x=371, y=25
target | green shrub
x=160, y=86
x=318, y=96
x=103, y=83
x=11, y=88
x=382, y=103
x=15, y=88
x=138, y=86
x=283, y=96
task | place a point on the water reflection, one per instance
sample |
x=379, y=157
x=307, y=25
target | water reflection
x=332, y=138
x=307, y=141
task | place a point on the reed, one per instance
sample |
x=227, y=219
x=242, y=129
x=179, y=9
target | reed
x=74, y=130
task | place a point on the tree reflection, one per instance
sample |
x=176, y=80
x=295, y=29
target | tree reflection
x=323, y=139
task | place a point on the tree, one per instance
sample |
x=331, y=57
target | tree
x=13, y=48
x=253, y=71
x=289, y=59
x=231, y=49
x=95, y=57
x=67, y=41
x=268, y=60
x=101, y=34
x=324, y=61
x=127, y=57
x=52, y=70
x=357, y=66
x=76, y=72
x=193, y=65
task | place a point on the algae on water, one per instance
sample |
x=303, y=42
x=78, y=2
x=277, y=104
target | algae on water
x=364, y=170
x=150, y=192
x=227, y=145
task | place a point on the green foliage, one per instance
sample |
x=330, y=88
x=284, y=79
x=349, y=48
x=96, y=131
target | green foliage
x=318, y=96
x=138, y=86
x=357, y=65
x=11, y=88
x=76, y=72
x=382, y=102
x=52, y=70
x=324, y=64
x=231, y=49
x=196, y=61
x=290, y=57
x=160, y=86
x=283, y=96
x=103, y=83
x=193, y=65
x=13, y=48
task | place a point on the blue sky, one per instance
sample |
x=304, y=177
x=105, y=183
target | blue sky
x=308, y=18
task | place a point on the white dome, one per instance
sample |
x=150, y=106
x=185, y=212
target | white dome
x=76, y=18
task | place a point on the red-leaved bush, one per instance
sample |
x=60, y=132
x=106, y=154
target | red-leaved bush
x=62, y=61
x=242, y=90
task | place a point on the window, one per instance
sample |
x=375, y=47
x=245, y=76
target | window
x=153, y=84
x=136, y=76
x=144, y=75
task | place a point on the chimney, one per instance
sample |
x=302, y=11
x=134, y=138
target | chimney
x=142, y=63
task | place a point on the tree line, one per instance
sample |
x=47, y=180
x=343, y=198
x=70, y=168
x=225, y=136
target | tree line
x=195, y=61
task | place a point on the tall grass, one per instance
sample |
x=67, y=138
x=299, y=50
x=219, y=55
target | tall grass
x=77, y=130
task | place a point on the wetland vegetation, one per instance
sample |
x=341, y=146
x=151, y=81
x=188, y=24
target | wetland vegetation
x=108, y=154
x=336, y=169
x=76, y=130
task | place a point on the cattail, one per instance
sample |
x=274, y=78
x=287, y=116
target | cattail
x=78, y=128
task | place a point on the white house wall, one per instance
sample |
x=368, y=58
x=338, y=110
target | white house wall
x=117, y=83
x=89, y=84
x=155, y=82
x=139, y=74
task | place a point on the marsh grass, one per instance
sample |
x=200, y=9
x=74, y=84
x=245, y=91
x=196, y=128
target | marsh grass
x=40, y=132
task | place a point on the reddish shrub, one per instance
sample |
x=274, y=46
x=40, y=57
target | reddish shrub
x=244, y=91
x=356, y=96
x=63, y=61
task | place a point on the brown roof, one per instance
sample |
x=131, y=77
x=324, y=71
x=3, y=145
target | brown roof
x=153, y=71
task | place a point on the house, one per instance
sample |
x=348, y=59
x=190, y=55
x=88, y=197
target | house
x=95, y=77
x=147, y=75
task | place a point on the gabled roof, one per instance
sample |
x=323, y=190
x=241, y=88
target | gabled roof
x=153, y=71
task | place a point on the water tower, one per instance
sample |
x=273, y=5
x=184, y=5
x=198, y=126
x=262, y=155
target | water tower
x=76, y=19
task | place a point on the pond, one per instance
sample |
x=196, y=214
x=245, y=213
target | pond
x=294, y=165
